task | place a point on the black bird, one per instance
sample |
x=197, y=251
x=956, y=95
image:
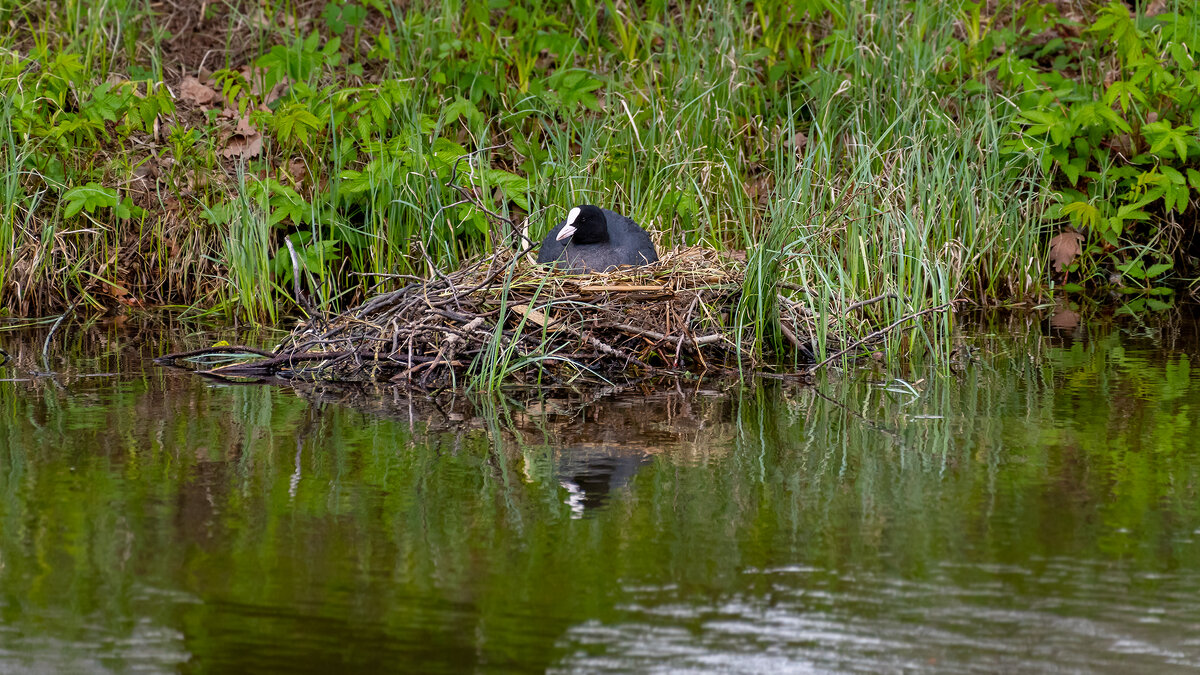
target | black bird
x=593, y=239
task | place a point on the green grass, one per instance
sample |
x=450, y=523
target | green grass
x=823, y=143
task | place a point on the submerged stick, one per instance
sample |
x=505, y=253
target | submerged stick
x=53, y=329
x=212, y=351
x=881, y=332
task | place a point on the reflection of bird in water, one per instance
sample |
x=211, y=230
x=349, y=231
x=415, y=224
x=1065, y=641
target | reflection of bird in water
x=590, y=473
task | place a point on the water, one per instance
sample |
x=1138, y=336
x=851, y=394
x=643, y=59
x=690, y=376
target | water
x=1038, y=509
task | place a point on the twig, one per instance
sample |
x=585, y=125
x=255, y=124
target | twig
x=450, y=349
x=302, y=298
x=388, y=275
x=446, y=280
x=209, y=351
x=625, y=289
x=604, y=348
x=865, y=303
x=687, y=322
x=269, y=366
x=467, y=194
x=880, y=333
x=655, y=335
x=53, y=329
x=791, y=337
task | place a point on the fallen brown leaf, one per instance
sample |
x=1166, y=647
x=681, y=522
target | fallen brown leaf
x=243, y=145
x=146, y=172
x=276, y=92
x=244, y=126
x=195, y=91
x=245, y=142
x=297, y=169
x=1064, y=248
x=1065, y=319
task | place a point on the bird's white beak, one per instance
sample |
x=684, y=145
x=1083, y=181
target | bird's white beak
x=569, y=228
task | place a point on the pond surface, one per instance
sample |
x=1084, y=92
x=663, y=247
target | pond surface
x=1037, y=509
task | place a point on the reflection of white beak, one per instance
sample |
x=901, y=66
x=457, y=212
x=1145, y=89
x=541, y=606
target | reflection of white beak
x=565, y=233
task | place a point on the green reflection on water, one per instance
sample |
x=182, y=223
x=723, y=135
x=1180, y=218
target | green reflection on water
x=155, y=519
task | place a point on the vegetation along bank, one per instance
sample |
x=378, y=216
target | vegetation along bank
x=921, y=152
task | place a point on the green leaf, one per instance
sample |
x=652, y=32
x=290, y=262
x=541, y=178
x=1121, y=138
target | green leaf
x=354, y=15
x=126, y=210
x=1133, y=269
x=444, y=153
x=295, y=122
x=1179, y=52
x=1158, y=269
x=287, y=203
x=462, y=107
x=90, y=196
x=1131, y=212
x=1194, y=178
x=1074, y=168
x=311, y=42
x=333, y=18
x=1124, y=92
x=220, y=214
x=1082, y=213
x=1176, y=197
x=1135, y=307
x=107, y=104
x=1157, y=305
x=73, y=207
x=512, y=186
x=574, y=87
x=1163, y=136
x=1113, y=225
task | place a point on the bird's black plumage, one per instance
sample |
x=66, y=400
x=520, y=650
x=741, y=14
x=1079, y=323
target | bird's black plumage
x=599, y=241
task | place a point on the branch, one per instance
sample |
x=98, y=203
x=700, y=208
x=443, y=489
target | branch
x=881, y=332
x=654, y=335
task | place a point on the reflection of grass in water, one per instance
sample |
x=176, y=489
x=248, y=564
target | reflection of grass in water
x=1032, y=451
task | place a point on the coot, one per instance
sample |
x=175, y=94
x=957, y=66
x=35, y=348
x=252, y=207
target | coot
x=593, y=239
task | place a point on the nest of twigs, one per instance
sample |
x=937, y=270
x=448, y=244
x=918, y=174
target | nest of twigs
x=510, y=320
x=505, y=320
